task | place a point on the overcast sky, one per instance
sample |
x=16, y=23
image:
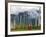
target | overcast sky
x=17, y=9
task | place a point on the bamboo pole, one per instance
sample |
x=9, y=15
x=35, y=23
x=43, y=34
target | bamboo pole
x=14, y=23
x=36, y=21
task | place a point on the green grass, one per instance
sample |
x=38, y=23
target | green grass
x=25, y=28
x=36, y=27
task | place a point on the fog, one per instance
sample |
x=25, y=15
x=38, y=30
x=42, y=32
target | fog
x=17, y=9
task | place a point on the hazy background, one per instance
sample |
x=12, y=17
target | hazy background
x=15, y=9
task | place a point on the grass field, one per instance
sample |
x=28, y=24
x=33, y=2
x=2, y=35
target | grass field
x=25, y=28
